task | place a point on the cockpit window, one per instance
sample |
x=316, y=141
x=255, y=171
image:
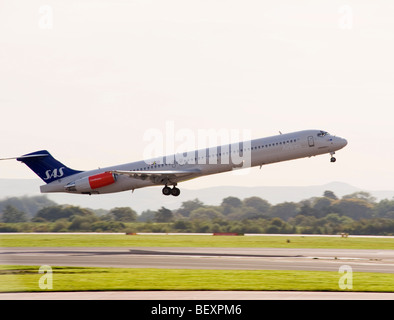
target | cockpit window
x=322, y=134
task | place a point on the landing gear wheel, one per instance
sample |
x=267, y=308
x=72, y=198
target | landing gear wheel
x=175, y=191
x=167, y=191
x=333, y=159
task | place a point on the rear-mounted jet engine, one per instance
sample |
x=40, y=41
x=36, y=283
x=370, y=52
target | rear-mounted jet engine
x=89, y=184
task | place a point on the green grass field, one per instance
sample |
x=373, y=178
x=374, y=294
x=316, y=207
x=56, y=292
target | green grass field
x=121, y=240
x=26, y=278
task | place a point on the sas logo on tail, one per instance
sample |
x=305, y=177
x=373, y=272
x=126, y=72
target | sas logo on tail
x=54, y=174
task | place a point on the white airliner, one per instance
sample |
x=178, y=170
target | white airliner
x=170, y=170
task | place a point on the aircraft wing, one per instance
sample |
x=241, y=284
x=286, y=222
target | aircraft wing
x=164, y=177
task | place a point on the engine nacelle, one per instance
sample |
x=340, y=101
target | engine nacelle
x=87, y=184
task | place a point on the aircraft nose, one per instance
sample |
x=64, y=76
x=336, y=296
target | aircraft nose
x=342, y=142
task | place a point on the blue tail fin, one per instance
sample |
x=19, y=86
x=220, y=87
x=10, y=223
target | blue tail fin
x=46, y=166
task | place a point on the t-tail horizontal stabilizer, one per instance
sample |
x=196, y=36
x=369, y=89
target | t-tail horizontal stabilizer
x=46, y=166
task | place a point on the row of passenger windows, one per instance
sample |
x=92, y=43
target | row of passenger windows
x=160, y=165
x=273, y=144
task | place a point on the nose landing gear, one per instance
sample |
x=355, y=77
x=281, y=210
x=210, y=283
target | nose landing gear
x=333, y=159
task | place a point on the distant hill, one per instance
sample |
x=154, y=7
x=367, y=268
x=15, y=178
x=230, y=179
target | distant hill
x=151, y=198
x=19, y=187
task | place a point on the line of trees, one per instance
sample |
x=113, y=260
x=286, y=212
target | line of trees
x=357, y=213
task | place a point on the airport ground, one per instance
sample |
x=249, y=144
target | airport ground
x=196, y=260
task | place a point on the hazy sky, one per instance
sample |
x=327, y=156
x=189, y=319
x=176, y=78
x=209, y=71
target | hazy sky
x=86, y=80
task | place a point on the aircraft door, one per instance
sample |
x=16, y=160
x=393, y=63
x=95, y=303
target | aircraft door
x=311, y=142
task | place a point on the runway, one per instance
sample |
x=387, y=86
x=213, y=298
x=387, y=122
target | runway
x=201, y=258
x=204, y=258
x=197, y=295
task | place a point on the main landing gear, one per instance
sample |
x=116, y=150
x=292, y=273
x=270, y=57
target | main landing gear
x=174, y=191
x=333, y=159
